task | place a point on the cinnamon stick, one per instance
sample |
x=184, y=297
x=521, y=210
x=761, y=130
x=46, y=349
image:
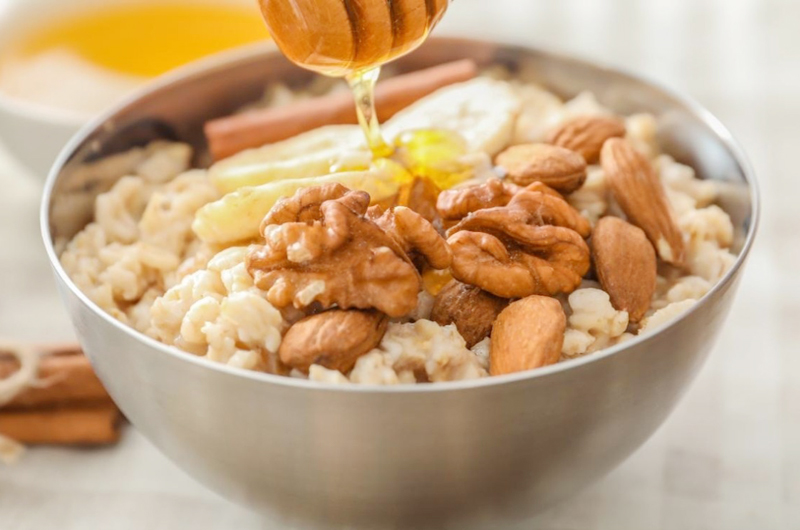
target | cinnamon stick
x=232, y=134
x=98, y=425
x=64, y=377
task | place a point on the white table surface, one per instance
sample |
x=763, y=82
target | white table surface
x=728, y=458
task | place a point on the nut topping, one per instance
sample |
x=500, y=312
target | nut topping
x=454, y=205
x=641, y=196
x=539, y=259
x=334, y=339
x=420, y=195
x=561, y=169
x=543, y=188
x=587, y=134
x=458, y=203
x=326, y=250
x=472, y=310
x=528, y=208
x=507, y=252
x=528, y=334
x=415, y=235
x=625, y=263
x=548, y=208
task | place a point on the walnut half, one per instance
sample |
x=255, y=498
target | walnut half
x=320, y=247
x=416, y=236
x=516, y=251
x=456, y=204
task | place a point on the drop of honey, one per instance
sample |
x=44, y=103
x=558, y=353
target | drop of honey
x=434, y=154
x=434, y=280
x=362, y=83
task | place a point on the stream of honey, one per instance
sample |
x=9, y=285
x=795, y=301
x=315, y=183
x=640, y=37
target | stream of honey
x=362, y=83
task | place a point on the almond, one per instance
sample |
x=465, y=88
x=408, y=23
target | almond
x=640, y=194
x=528, y=334
x=472, y=310
x=561, y=169
x=625, y=263
x=587, y=134
x=334, y=339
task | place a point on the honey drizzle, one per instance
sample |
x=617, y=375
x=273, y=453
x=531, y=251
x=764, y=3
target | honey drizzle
x=362, y=83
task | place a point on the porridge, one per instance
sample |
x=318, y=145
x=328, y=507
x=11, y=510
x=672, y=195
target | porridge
x=509, y=230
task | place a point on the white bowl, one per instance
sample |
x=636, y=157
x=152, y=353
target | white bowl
x=35, y=133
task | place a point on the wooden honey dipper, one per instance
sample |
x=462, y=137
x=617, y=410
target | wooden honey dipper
x=338, y=37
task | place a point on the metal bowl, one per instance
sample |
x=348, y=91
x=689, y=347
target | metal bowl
x=470, y=454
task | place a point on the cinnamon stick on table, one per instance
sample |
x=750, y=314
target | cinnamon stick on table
x=65, y=376
x=94, y=425
x=67, y=404
x=232, y=134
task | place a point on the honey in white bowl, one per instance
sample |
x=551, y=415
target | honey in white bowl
x=85, y=61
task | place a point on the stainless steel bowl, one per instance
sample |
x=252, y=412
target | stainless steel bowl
x=471, y=454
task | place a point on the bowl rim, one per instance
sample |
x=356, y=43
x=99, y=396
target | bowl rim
x=211, y=64
x=78, y=120
x=16, y=14
x=12, y=13
x=39, y=112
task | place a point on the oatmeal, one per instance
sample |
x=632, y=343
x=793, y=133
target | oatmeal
x=408, y=353
x=593, y=323
x=550, y=230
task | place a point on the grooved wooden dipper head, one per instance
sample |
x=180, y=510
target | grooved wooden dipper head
x=335, y=37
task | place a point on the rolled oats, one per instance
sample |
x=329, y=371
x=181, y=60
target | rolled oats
x=140, y=261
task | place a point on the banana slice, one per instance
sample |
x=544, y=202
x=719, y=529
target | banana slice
x=483, y=110
x=237, y=216
x=328, y=137
x=331, y=149
x=312, y=165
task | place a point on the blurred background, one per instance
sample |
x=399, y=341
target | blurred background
x=729, y=458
